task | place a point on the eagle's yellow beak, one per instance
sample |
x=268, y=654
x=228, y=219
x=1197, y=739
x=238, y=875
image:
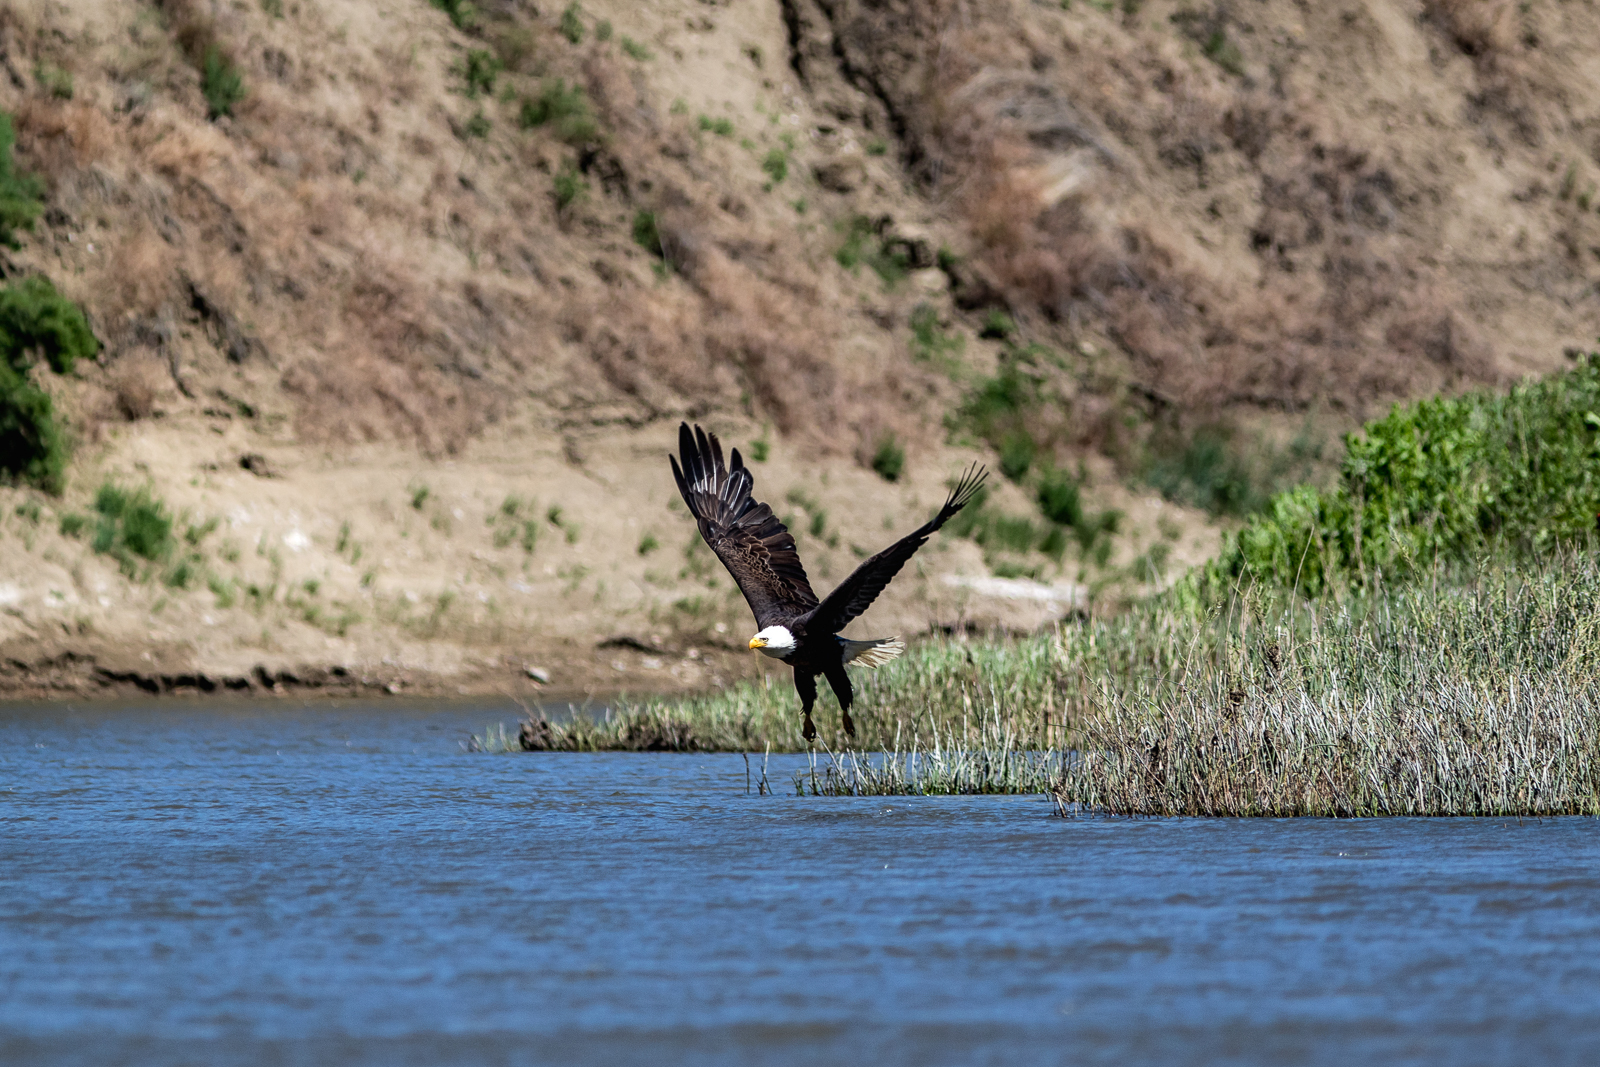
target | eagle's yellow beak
x=758, y=642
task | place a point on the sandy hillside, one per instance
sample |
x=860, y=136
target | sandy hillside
x=400, y=336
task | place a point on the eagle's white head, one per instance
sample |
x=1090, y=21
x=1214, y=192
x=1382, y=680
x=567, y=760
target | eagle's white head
x=775, y=641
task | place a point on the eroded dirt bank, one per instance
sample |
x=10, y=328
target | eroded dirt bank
x=399, y=335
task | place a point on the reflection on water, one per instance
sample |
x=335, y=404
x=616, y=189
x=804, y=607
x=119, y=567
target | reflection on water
x=263, y=884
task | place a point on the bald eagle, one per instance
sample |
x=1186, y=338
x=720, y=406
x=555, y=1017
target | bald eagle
x=759, y=552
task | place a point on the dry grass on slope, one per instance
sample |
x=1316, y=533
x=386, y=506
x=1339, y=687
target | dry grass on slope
x=1280, y=207
x=364, y=247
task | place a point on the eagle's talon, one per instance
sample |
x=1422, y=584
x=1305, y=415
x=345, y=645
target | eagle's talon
x=849, y=726
x=809, y=729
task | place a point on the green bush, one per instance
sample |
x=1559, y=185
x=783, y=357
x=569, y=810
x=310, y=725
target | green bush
x=571, y=25
x=132, y=526
x=1207, y=473
x=463, y=15
x=479, y=71
x=33, y=449
x=20, y=194
x=220, y=82
x=776, y=165
x=34, y=317
x=636, y=50
x=890, y=459
x=1440, y=479
x=569, y=187
x=565, y=109
x=646, y=234
x=720, y=127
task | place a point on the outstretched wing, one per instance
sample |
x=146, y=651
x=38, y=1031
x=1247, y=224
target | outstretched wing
x=747, y=537
x=857, y=592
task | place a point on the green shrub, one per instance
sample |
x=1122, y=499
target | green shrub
x=34, y=317
x=478, y=126
x=1440, y=479
x=861, y=246
x=997, y=325
x=890, y=459
x=571, y=24
x=479, y=71
x=721, y=127
x=53, y=80
x=569, y=187
x=132, y=526
x=646, y=234
x=602, y=30
x=463, y=15
x=565, y=109
x=1207, y=473
x=928, y=340
x=1060, y=499
x=776, y=165
x=20, y=194
x=636, y=50
x=220, y=82
x=1224, y=53
x=33, y=449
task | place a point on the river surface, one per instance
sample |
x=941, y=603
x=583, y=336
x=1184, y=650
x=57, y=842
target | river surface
x=275, y=884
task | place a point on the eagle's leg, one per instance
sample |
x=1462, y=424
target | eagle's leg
x=806, y=683
x=840, y=681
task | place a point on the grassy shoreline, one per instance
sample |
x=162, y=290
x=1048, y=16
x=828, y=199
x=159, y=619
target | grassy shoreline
x=1473, y=692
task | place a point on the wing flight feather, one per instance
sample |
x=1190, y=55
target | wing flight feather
x=857, y=592
x=757, y=549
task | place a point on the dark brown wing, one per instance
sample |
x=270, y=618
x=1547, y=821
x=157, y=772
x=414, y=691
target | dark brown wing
x=757, y=549
x=857, y=592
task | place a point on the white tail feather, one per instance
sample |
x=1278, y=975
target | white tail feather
x=872, y=653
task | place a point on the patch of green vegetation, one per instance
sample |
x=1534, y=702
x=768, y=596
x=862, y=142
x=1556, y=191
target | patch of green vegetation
x=226, y=591
x=33, y=448
x=131, y=526
x=889, y=461
x=646, y=234
x=648, y=544
x=478, y=126
x=221, y=83
x=721, y=127
x=760, y=449
x=929, y=341
x=463, y=14
x=1224, y=53
x=603, y=31
x=53, y=80
x=997, y=326
x=775, y=165
x=998, y=411
x=565, y=109
x=862, y=244
x=20, y=194
x=877, y=147
x=34, y=317
x=1207, y=473
x=568, y=188
x=419, y=496
x=636, y=50
x=1439, y=479
x=36, y=320
x=479, y=71
x=571, y=24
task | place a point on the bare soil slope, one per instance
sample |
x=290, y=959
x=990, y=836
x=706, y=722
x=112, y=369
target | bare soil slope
x=415, y=319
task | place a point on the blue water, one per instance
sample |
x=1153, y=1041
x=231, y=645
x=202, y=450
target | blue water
x=281, y=885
